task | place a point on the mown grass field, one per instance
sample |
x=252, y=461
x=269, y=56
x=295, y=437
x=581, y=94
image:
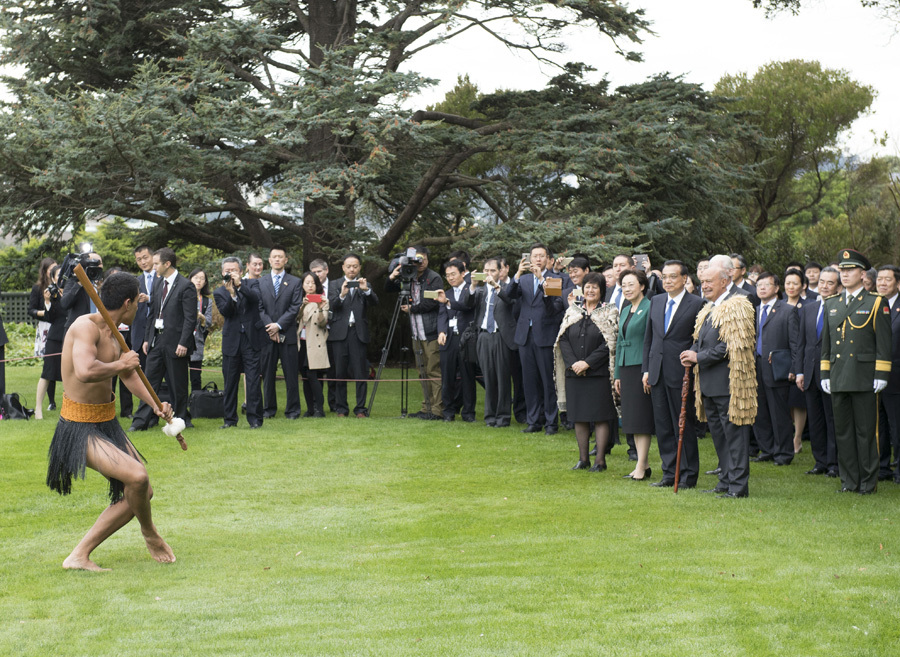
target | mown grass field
x=401, y=537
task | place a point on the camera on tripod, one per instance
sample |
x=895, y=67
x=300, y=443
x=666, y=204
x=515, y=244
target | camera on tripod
x=92, y=267
x=409, y=265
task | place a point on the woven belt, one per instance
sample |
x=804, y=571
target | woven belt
x=77, y=412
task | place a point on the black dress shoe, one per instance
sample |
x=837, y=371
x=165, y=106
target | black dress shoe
x=582, y=465
x=570, y=426
x=816, y=471
x=308, y=413
x=897, y=479
x=598, y=467
x=632, y=456
x=532, y=428
x=256, y=426
x=832, y=473
x=687, y=485
x=846, y=490
x=550, y=430
x=646, y=476
x=318, y=414
x=886, y=477
x=501, y=425
x=782, y=462
x=714, y=472
x=762, y=457
x=716, y=490
x=243, y=409
x=593, y=452
x=188, y=425
x=448, y=418
x=663, y=483
x=292, y=416
x=468, y=419
x=136, y=427
x=731, y=496
x=433, y=417
x=867, y=492
x=268, y=416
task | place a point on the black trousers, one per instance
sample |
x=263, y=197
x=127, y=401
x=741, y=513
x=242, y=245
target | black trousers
x=820, y=420
x=351, y=362
x=494, y=358
x=272, y=353
x=2, y=370
x=312, y=384
x=196, y=375
x=774, y=426
x=520, y=410
x=457, y=381
x=889, y=434
x=126, y=401
x=732, y=444
x=246, y=361
x=666, y=413
x=331, y=373
x=175, y=371
x=537, y=379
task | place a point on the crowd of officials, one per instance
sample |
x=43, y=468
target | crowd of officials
x=757, y=359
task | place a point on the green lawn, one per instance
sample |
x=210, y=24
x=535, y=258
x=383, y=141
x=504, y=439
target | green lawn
x=402, y=537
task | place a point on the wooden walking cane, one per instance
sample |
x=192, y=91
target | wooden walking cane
x=682, y=419
x=92, y=293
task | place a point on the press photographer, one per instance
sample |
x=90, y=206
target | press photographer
x=410, y=274
x=75, y=301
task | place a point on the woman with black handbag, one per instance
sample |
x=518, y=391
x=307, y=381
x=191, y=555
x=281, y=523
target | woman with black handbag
x=45, y=307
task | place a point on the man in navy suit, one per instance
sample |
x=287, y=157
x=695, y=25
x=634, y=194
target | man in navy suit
x=777, y=330
x=350, y=298
x=242, y=340
x=670, y=331
x=820, y=416
x=536, y=330
x=169, y=337
x=280, y=296
x=888, y=285
x=143, y=256
x=457, y=374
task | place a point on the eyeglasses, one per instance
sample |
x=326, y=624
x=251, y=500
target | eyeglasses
x=671, y=277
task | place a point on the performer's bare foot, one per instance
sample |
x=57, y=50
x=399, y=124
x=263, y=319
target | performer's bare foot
x=159, y=549
x=74, y=562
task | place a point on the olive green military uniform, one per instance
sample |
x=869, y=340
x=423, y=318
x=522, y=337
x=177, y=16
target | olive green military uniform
x=856, y=351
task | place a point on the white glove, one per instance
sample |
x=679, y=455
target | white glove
x=826, y=386
x=880, y=385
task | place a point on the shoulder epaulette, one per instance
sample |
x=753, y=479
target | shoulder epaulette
x=834, y=295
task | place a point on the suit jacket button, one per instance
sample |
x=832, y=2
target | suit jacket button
x=838, y=355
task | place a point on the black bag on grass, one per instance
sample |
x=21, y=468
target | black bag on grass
x=209, y=402
x=11, y=408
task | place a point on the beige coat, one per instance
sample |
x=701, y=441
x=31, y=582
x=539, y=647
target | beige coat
x=314, y=320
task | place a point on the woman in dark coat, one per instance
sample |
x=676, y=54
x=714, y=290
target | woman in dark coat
x=585, y=349
x=45, y=306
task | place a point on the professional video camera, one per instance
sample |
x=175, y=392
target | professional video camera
x=409, y=264
x=92, y=267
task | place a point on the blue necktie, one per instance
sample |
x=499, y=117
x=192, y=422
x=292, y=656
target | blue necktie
x=618, y=297
x=149, y=284
x=491, y=325
x=762, y=321
x=276, y=281
x=669, y=315
x=820, y=321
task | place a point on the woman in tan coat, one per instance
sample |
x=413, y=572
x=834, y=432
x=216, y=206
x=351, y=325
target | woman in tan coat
x=312, y=320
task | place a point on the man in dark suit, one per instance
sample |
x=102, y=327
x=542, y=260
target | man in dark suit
x=280, y=296
x=820, y=416
x=242, y=340
x=888, y=285
x=169, y=337
x=350, y=298
x=670, y=331
x=143, y=256
x=457, y=374
x=710, y=352
x=739, y=271
x=75, y=301
x=536, y=330
x=777, y=336
x=496, y=344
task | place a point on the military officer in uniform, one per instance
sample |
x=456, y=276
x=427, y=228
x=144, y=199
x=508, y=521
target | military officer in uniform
x=856, y=364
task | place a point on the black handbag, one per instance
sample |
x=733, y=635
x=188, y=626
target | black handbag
x=11, y=408
x=781, y=364
x=209, y=402
x=468, y=343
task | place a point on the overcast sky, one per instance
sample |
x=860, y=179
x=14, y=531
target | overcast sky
x=704, y=39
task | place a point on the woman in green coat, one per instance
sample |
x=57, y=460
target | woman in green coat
x=637, y=409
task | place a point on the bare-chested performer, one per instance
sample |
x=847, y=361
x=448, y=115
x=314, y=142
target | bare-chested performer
x=88, y=433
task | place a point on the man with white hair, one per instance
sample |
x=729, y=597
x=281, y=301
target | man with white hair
x=725, y=335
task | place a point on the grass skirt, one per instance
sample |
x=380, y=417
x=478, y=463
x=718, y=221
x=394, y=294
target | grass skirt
x=68, y=452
